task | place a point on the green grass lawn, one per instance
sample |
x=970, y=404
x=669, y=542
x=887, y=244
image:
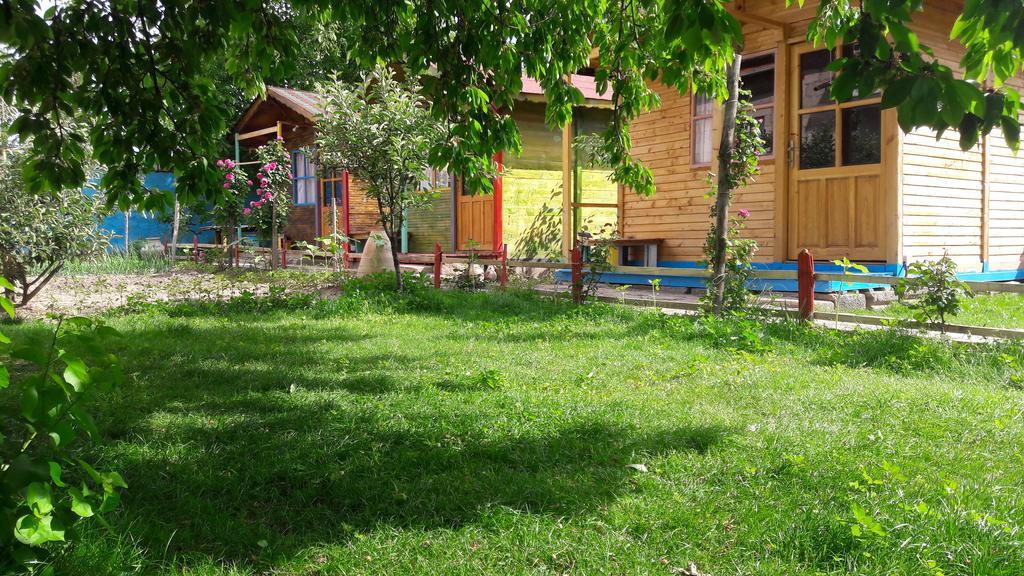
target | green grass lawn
x=990, y=310
x=497, y=434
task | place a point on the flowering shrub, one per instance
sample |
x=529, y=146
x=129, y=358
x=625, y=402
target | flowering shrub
x=227, y=212
x=272, y=187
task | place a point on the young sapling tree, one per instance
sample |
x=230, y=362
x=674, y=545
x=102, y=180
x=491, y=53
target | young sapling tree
x=381, y=131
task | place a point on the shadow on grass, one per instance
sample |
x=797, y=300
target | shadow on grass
x=220, y=456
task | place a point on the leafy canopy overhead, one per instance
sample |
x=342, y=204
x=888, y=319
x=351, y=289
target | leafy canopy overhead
x=134, y=78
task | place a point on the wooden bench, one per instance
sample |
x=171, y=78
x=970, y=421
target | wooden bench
x=648, y=247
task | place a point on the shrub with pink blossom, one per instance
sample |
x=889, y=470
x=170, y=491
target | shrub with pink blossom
x=272, y=187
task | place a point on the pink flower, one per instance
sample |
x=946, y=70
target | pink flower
x=264, y=182
x=246, y=212
x=230, y=164
x=289, y=174
x=744, y=213
x=267, y=196
x=249, y=182
x=253, y=203
x=227, y=184
x=229, y=176
x=273, y=165
x=220, y=163
x=280, y=138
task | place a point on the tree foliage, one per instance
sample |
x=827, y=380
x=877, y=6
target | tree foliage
x=924, y=91
x=137, y=75
x=382, y=132
x=39, y=233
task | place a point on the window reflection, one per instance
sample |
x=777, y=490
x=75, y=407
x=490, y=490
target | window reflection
x=815, y=79
x=818, y=140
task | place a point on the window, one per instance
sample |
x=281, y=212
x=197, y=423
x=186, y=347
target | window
x=333, y=187
x=757, y=75
x=303, y=178
x=703, y=106
x=434, y=179
x=835, y=133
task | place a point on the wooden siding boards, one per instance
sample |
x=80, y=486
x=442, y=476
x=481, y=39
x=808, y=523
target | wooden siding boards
x=678, y=211
x=431, y=223
x=937, y=199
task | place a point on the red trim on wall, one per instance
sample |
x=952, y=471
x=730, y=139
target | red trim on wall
x=345, y=204
x=497, y=240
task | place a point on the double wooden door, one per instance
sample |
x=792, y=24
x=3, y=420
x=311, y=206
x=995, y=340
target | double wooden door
x=837, y=155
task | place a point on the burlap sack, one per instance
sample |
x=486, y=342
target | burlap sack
x=376, y=255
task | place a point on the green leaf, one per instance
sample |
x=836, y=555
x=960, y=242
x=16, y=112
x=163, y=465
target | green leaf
x=111, y=500
x=7, y=306
x=34, y=531
x=6, y=284
x=897, y=92
x=80, y=504
x=5, y=377
x=55, y=474
x=39, y=498
x=113, y=480
x=77, y=373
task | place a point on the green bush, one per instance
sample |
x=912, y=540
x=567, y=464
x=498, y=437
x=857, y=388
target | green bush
x=936, y=290
x=46, y=488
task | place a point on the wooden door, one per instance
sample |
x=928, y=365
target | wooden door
x=332, y=198
x=474, y=219
x=837, y=204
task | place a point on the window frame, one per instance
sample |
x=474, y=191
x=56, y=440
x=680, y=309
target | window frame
x=771, y=108
x=775, y=94
x=837, y=109
x=694, y=118
x=296, y=178
x=333, y=177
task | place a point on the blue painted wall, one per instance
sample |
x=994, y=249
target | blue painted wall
x=785, y=285
x=142, y=226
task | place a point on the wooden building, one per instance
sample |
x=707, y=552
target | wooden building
x=541, y=199
x=840, y=179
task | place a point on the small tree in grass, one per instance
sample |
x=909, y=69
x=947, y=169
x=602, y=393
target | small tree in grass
x=41, y=232
x=382, y=132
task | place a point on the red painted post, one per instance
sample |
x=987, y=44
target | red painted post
x=576, y=262
x=195, y=248
x=437, y=265
x=504, y=266
x=805, y=284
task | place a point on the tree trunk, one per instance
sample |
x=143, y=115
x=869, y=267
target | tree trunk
x=127, y=244
x=394, y=259
x=273, y=235
x=175, y=226
x=725, y=151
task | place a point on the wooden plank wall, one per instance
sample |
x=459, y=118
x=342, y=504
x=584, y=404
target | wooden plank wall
x=1005, y=205
x=968, y=204
x=678, y=212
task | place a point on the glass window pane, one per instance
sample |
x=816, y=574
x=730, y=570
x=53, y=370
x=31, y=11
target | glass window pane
x=766, y=118
x=758, y=76
x=818, y=140
x=815, y=79
x=862, y=135
x=702, y=105
x=702, y=141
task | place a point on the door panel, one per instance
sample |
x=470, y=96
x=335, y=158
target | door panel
x=474, y=220
x=835, y=192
